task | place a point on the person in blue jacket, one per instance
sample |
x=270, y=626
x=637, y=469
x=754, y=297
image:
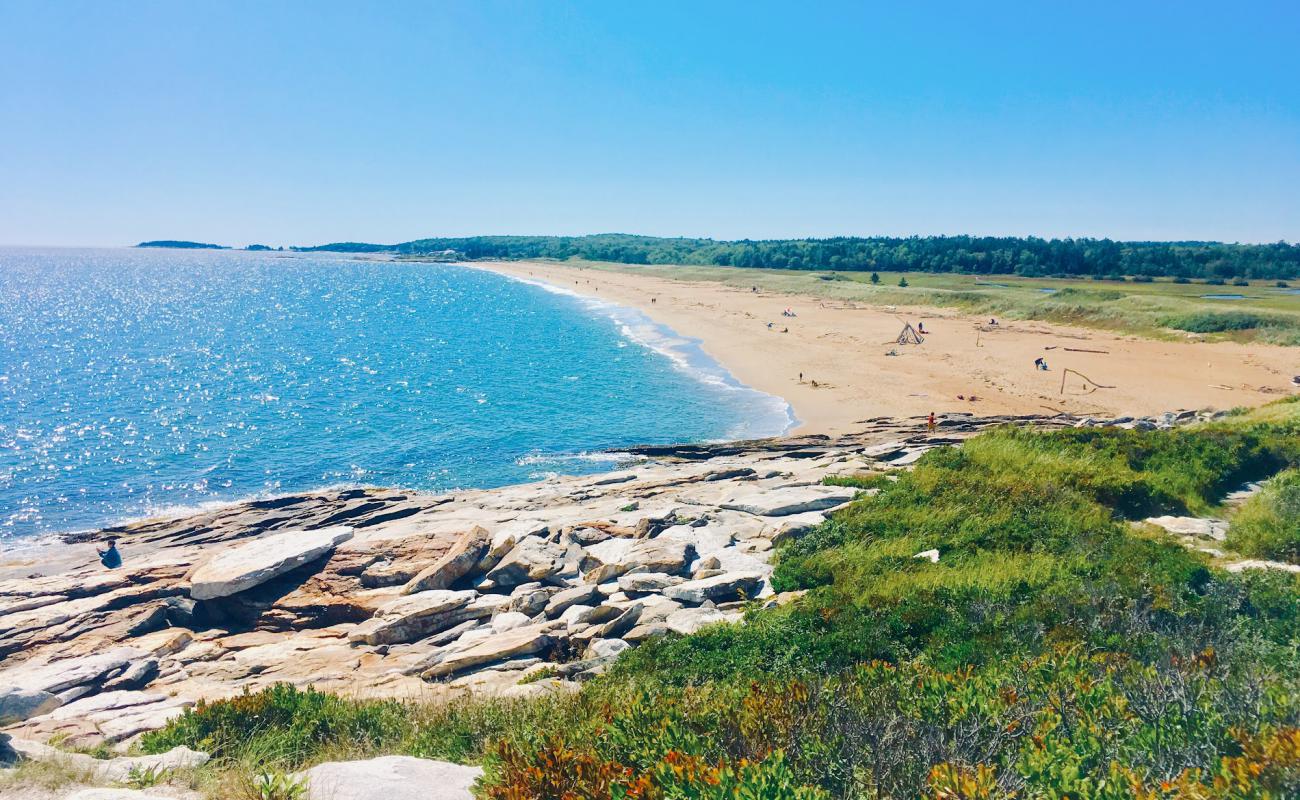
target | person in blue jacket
x=110, y=557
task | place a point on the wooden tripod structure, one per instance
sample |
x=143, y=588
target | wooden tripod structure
x=909, y=335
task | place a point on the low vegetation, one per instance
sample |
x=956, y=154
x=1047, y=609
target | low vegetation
x=1053, y=651
x=1268, y=524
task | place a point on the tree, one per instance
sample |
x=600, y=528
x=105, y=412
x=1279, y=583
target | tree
x=875, y=278
x=902, y=282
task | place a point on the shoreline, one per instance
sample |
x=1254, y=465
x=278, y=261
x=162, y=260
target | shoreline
x=844, y=347
x=687, y=353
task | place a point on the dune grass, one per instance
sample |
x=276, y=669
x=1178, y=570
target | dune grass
x=1053, y=651
x=1268, y=524
x=1159, y=308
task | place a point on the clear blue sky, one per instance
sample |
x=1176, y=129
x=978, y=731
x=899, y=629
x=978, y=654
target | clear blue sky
x=307, y=122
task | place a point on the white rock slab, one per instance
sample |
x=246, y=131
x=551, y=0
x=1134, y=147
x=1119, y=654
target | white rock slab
x=788, y=500
x=391, y=778
x=247, y=565
x=1215, y=529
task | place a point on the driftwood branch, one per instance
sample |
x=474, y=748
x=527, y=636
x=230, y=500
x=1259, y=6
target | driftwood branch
x=1095, y=385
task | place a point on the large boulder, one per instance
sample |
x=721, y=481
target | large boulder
x=607, y=560
x=391, y=778
x=727, y=586
x=659, y=555
x=253, y=563
x=413, y=617
x=532, y=559
x=455, y=564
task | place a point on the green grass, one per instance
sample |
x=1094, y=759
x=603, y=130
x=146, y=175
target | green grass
x=1268, y=524
x=1054, y=651
x=1160, y=308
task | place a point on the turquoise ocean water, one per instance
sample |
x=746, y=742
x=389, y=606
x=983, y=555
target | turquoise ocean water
x=134, y=382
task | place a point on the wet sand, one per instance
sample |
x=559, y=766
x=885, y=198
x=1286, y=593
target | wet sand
x=843, y=349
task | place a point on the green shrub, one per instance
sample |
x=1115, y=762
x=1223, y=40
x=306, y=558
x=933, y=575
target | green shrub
x=282, y=725
x=1268, y=524
x=1220, y=321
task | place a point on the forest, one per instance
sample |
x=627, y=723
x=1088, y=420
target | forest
x=1027, y=256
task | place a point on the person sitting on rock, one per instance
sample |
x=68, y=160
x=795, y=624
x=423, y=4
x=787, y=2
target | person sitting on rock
x=110, y=557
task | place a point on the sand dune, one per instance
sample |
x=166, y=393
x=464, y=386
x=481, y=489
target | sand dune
x=844, y=348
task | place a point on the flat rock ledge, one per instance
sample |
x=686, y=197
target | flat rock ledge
x=378, y=592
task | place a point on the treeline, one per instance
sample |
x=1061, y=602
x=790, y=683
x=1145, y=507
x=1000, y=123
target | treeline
x=1030, y=256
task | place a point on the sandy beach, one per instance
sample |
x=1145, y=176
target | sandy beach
x=842, y=351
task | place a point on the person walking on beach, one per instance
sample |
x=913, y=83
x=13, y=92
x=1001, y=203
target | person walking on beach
x=930, y=423
x=110, y=557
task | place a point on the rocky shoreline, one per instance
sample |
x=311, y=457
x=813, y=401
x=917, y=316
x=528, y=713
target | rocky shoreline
x=516, y=591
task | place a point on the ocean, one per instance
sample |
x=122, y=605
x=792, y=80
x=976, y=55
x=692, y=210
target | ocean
x=139, y=382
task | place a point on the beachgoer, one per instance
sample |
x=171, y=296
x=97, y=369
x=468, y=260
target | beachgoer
x=920, y=327
x=785, y=330
x=769, y=325
x=930, y=423
x=993, y=321
x=110, y=557
x=801, y=377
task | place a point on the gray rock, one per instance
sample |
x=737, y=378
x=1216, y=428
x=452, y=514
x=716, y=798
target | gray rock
x=508, y=621
x=532, y=559
x=624, y=622
x=564, y=599
x=455, y=564
x=413, y=617
x=787, y=500
x=605, y=648
x=646, y=631
x=669, y=556
x=1215, y=529
x=244, y=566
x=71, y=674
x=689, y=620
x=647, y=582
x=531, y=598
x=391, y=778
x=18, y=704
x=387, y=573
x=719, y=587
x=525, y=641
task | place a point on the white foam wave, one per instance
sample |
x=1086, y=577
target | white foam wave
x=762, y=414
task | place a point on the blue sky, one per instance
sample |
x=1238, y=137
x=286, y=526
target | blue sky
x=306, y=122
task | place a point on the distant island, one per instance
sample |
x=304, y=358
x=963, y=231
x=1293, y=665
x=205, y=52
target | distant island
x=182, y=245
x=982, y=255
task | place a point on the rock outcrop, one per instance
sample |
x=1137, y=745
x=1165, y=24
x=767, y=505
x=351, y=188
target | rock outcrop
x=381, y=592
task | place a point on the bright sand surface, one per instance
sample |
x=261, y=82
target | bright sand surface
x=843, y=348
